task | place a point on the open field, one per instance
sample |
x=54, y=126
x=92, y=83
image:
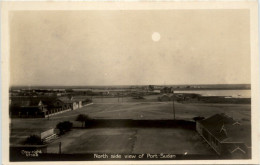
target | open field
x=20, y=128
x=109, y=99
x=131, y=140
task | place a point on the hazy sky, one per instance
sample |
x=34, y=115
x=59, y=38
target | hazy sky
x=116, y=47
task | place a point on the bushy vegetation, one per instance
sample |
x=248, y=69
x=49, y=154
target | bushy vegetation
x=82, y=118
x=34, y=140
x=64, y=127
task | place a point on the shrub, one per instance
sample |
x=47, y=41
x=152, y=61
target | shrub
x=34, y=140
x=64, y=127
x=82, y=118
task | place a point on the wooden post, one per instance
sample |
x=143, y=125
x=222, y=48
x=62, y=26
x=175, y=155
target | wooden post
x=60, y=148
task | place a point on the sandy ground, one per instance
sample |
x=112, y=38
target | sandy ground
x=21, y=128
x=131, y=140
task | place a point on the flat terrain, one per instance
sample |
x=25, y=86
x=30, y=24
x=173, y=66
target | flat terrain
x=130, y=140
x=124, y=140
x=139, y=110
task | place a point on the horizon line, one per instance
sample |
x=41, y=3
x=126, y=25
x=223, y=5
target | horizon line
x=126, y=85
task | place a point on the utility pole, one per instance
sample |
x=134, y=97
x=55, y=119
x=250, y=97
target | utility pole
x=60, y=148
x=173, y=107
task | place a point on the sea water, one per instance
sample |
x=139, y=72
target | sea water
x=226, y=93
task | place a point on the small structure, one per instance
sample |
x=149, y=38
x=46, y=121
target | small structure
x=48, y=135
x=226, y=136
x=73, y=103
x=166, y=97
x=68, y=102
x=156, y=91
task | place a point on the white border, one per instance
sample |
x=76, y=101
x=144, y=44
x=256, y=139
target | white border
x=115, y=5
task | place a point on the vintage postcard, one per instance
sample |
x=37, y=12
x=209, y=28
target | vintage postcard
x=130, y=82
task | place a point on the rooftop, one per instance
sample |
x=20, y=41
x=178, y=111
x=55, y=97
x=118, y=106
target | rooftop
x=31, y=101
x=226, y=129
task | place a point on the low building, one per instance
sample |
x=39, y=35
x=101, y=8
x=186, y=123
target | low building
x=43, y=106
x=226, y=136
x=73, y=103
x=167, y=90
x=69, y=102
x=27, y=107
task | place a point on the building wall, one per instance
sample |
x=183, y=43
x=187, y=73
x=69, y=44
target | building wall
x=47, y=133
x=80, y=104
x=211, y=140
x=25, y=112
x=75, y=105
x=198, y=128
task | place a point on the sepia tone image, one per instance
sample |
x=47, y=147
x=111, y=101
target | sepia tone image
x=130, y=85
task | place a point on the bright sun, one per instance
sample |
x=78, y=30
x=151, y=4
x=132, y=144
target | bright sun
x=156, y=36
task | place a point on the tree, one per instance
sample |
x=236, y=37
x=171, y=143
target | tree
x=151, y=87
x=64, y=127
x=82, y=118
x=34, y=140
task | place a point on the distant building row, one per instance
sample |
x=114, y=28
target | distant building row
x=179, y=97
x=43, y=106
x=192, y=97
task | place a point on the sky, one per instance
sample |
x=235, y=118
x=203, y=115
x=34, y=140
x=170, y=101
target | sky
x=134, y=47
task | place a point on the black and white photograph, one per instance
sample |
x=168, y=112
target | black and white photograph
x=119, y=83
